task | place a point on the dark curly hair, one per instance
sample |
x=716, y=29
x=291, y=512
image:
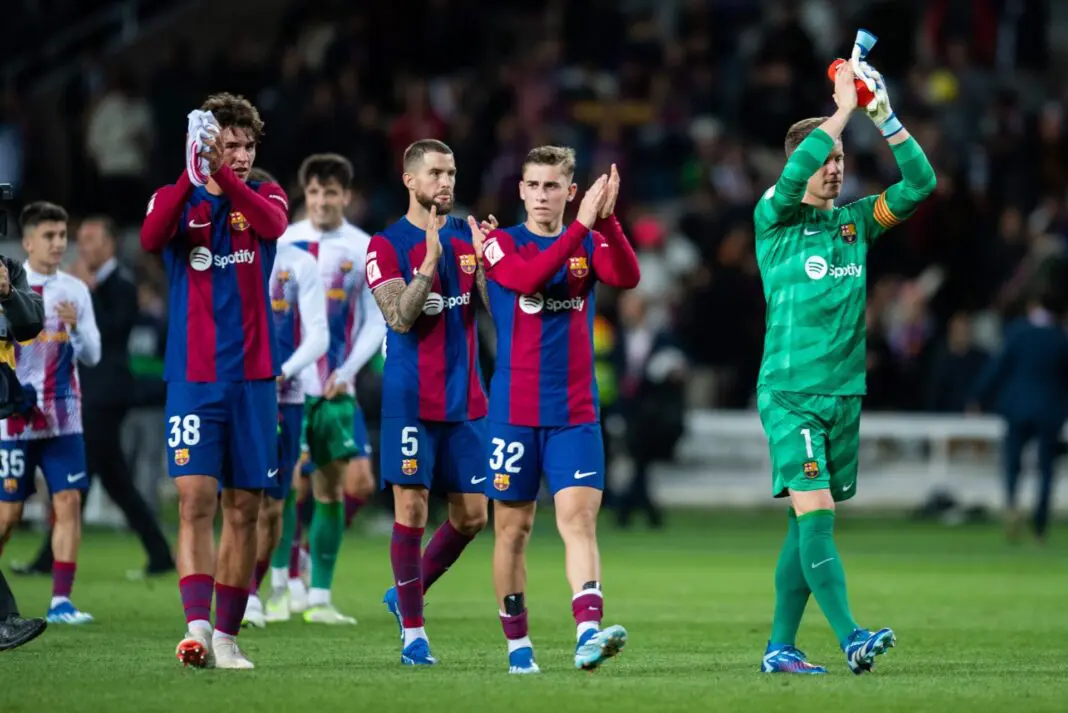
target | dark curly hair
x=235, y=112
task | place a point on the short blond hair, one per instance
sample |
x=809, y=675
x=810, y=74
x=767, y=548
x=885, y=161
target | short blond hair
x=800, y=131
x=562, y=156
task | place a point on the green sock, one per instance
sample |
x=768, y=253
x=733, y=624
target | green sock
x=791, y=589
x=280, y=557
x=327, y=527
x=823, y=570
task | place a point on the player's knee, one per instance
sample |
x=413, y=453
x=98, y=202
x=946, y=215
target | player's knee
x=359, y=482
x=513, y=531
x=67, y=505
x=410, y=506
x=196, y=507
x=578, y=520
x=10, y=516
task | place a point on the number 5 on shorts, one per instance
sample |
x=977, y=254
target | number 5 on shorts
x=409, y=441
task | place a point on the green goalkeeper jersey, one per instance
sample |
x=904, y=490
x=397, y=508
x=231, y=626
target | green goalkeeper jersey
x=813, y=264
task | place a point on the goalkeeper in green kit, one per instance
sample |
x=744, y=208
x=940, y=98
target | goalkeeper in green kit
x=812, y=258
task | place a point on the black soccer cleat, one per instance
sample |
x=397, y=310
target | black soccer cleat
x=16, y=631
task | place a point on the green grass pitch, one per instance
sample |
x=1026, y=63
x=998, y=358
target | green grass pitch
x=981, y=626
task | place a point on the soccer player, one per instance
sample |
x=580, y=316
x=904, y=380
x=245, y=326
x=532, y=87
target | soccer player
x=218, y=245
x=423, y=271
x=48, y=431
x=298, y=303
x=812, y=257
x=544, y=405
x=334, y=429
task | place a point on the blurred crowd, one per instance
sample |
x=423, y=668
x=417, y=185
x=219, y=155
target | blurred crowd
x=691, y=98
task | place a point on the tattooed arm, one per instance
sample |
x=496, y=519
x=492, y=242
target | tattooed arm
x=402, y=304
x=480, y=280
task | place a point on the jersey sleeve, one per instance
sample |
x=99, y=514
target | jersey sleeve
x=85, y=339
x=382, y=263
x=780, y=202
x=509, y=269
x=613, y=259
x=164, y=213
x=372, y=331
x=314, y=331
x=266, y=207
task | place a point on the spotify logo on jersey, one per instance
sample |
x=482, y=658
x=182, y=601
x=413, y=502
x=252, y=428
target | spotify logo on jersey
x=436, y=304
x=200, y=258
x=816, y=267
x=532, y=304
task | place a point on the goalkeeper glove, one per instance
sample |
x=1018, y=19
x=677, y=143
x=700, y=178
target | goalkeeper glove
x=878, y=109
x=201, y=128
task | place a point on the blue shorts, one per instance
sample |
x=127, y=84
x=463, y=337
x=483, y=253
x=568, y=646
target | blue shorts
x=517, y=456
x=359, y=437
x=61, y=459
x=447, y=457
x=290, y=418
x=228, y=430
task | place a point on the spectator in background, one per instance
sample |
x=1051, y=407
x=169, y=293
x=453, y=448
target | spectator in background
x=119, y=142
x=956, y=367
x=1027, y=385
x=652, y=401
x=106, y=391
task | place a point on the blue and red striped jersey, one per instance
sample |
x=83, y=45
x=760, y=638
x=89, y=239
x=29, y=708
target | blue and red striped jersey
x=544, y=374
x=432, y=371
x=220, y=325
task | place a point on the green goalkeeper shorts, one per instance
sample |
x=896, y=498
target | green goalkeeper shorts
x=326, y=434
x=814, y=441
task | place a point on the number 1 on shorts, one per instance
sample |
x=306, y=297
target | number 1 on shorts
x=808, y=442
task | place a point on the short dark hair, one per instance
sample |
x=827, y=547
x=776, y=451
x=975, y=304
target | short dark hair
x=261, y=175
x=235, y=112
x=414, y=154
x=41, y=212
x=800, y=131
x=325, y=167
x=106, y=222
x=562, y=156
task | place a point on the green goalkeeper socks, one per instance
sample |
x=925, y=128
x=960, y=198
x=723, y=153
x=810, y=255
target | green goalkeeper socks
x=328, y=525
x=791, y=589
x=823, y=570
x=280, y=557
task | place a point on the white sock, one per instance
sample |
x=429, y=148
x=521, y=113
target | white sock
x=254, y=603
x=516, y=644
x=584, y=627
x=56, y=601
x=296, y=587
x=200, y=626
x=279, y=578
x=411, y=635
x=318, y=597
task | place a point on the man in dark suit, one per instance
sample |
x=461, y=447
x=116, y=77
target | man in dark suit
x=1027, y=383
x=21, y=318
x=106, y=390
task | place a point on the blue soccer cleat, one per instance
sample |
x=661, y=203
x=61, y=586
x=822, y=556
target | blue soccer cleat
x=864, y=646
x=521, y=661
x=418, y=653
x=390, y=600
x=788, y=659
x=67, y=613
x=596, y=647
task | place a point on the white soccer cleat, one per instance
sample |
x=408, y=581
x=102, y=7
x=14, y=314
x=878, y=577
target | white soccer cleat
x=298, y=597
x=228, y=655
x=195, y=650
x=254, y=615
x=327, y=614
x=277, y=607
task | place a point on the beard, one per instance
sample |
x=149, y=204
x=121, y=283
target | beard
x=427, y=201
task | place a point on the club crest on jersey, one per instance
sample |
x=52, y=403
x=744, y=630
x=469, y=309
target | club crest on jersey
x=849, y=233
x=502, y=481
x=579, y=266
x=811, y=469
x=181, y=456
x=409, y=466
x=283, y=275
x=467, y=263
x=10, y=485
x=238, y=221
x=346, y=267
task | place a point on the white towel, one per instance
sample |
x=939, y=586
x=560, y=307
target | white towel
x=202, y=126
